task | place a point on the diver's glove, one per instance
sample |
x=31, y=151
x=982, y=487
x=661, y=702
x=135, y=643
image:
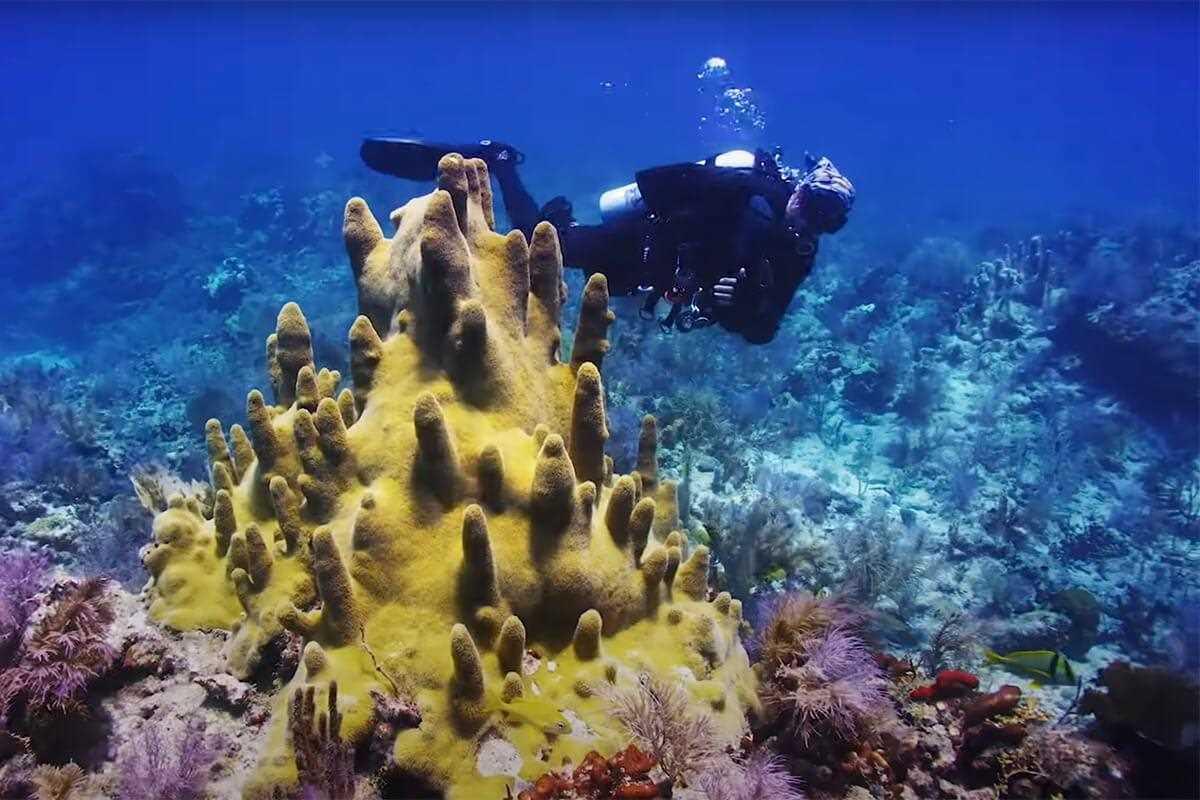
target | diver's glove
x=822, y=201
x=744, y=289
x=725, y=290
x=558, y=212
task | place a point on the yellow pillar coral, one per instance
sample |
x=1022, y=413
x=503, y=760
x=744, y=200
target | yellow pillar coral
x=451, y=522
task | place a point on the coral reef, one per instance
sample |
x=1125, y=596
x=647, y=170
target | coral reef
x=158, y=768
x=977, y=443
x=452, y=518
x=624, y=776
x=64, y=653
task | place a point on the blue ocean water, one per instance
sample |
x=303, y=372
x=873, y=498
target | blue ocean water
x=964, y=114
x=988, y=391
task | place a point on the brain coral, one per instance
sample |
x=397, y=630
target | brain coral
x=450, y=522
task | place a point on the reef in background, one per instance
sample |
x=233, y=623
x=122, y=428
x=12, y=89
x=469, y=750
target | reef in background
x=934, y=436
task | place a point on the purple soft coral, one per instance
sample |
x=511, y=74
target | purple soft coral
x=836, y=689
x=22, y=576
x=63, y=654
x=157, y=770
x=761, y=776
x=786, y=622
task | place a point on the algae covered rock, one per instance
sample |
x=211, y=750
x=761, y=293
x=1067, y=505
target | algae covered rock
x=450, y=523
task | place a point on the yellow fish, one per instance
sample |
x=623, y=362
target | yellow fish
x=1047, y=666
x=534, y=711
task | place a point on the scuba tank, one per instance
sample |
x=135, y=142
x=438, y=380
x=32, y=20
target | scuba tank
x=627, y=201
x=622, y=202
x=663, y=195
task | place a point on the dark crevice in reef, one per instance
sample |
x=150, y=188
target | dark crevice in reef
x=1135, y=374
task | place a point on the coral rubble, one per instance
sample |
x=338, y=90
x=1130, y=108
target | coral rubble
x=451, y=521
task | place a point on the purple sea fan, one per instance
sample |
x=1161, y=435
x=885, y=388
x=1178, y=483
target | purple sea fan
x=154, y=769
x=761, y=776
x=63, y=654
x=836, y=691
x=659, y=717
x=789, y=622
x=22, y=576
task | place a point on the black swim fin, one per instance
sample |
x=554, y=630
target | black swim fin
x=417, y=160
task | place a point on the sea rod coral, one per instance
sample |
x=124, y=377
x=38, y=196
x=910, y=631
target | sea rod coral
x=451, y=522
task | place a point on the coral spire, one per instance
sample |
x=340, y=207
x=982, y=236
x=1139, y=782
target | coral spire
x=218, y=448
x=654, y=567
x=510, y=649
x=339, y=621
x=479, y=191
x=479, y=566
x=723, y=603
x=513, y=687
x=640, y=523
x=445, y=274
x=452, y=178
x=620, y=508
x=516, y=282
x=437, y=460
x=674, y=556
x=370, y=256
x=331, y=432
x=589, y=430
x=647, y=457
x=591, y=341
x=293, y=351
x=546, y=272
x=692, y=579
x=366, y=349
x=468, y=667
x=262, y=432
x=361, y=233
x=239, y=555
x=224, y=520
x=327, y=383
x=552, y=498
x=491, y=477
x=222, y=477
x=243, y=452
x=307, y=393
x=287, y=512
x=586, y=641
x=474, y=359
x=259, y=557
x=347, y=407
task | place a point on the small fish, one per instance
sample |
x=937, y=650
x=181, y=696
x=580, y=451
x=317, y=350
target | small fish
x=538, y=713
x=534, y=711
x=1047, y=666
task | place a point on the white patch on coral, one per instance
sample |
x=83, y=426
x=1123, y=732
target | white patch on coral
x=498, y=757
x=579, y=729
x=685, y=673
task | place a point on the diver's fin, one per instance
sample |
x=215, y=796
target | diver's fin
x=992, y=657
x=417, y=160
x=404, y=158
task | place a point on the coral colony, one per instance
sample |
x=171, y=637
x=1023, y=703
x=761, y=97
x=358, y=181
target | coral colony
x=460, y=569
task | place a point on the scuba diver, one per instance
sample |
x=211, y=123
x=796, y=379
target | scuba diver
x=726, y=240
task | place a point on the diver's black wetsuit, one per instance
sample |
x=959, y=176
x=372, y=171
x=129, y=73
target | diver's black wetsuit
x=708, y=221
x=700, y=223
